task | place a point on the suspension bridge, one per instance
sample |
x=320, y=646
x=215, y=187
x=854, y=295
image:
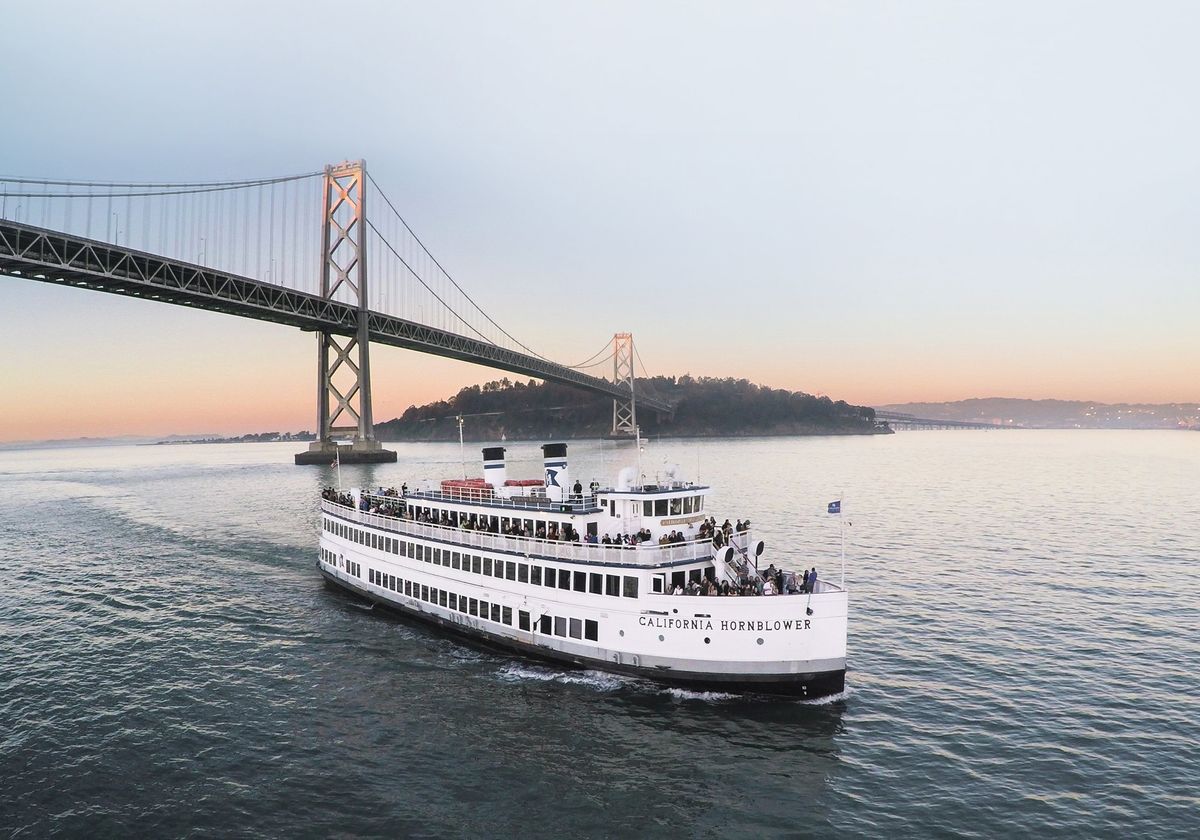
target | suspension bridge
x=247, y=248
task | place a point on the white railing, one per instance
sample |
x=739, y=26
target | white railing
x=518, y=501
x=644, y=554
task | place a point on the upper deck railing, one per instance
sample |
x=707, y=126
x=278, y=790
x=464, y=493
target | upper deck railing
x=642, y=554
x=584, y=503
x=529, y=498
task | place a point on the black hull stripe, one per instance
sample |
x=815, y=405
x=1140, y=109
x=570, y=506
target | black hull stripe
x=809, y=686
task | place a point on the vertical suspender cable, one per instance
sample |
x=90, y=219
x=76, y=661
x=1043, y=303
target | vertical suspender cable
x=271, y=239
x=258, y=247
x=205, y=233
x=283, y=238
x=146, y=204
x=245, y=269
x=217, y=228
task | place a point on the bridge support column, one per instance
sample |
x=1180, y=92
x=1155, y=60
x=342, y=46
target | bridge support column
x=624, y=411
x=343, y=362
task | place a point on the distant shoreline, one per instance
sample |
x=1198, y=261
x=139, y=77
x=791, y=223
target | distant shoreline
x=28, y=446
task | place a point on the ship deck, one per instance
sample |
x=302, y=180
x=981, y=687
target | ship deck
x=640, y=555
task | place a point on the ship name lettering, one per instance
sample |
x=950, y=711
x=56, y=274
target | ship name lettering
x=767, y=626
x=675, y=623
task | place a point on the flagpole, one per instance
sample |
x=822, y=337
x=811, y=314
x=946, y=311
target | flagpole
x=337, y=451
x=842, y=522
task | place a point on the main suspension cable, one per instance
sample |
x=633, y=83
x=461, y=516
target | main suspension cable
x=249, y=182
x=403, y=262
x=447, y=274
x=146, y=190
x=607, y=348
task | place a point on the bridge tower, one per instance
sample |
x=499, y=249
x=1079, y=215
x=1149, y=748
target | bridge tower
x=343, y=362
x=624, y=411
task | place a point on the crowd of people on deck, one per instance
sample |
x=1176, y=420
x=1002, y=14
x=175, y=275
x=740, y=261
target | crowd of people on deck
x=771, y=581
x=630, y=540
x=332, y=494
x=723, y=533
x=387, y=502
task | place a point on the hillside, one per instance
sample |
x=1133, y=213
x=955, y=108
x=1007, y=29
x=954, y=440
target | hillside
x=704, y=407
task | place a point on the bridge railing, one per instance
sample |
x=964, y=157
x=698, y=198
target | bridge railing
x=643, y=554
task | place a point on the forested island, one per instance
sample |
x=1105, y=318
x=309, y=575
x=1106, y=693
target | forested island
x=704, y=407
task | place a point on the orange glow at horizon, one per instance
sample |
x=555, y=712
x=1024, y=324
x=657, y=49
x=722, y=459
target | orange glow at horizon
x=268, y=385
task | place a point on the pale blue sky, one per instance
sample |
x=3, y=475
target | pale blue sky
x=876, y=201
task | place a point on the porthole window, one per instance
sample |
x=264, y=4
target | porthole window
x=760, y=641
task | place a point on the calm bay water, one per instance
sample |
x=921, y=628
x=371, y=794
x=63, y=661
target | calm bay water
x=1024, y=655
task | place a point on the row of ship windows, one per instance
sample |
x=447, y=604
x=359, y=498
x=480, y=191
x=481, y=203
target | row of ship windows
x=676, y=506
x=549, y=576
x=573, y=628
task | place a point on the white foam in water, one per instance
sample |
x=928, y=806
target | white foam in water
x=831, y=698
x=702, y=696
x=593, y=679
x=720, y=696
x=461, y=654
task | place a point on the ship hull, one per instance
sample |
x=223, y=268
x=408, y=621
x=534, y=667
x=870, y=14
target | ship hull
x=803, y=686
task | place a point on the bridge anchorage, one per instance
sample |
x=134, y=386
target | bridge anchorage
x=232, y=246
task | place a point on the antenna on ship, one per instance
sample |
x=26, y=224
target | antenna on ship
x=637, y=430
x=462, y=449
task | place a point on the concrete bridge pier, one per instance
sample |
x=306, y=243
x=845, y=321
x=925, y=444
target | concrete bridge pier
x=328, y=452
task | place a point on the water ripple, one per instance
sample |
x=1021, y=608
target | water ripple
x=1022, y=659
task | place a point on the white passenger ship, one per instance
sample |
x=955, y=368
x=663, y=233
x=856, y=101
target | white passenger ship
x=524, y=565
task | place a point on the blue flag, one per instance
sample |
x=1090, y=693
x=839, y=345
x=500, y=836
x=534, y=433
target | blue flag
x=835, y=507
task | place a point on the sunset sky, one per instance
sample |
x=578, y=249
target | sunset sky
x=882, y=202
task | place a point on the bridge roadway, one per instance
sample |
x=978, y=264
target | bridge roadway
x=35, y=253
x=895, y=418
